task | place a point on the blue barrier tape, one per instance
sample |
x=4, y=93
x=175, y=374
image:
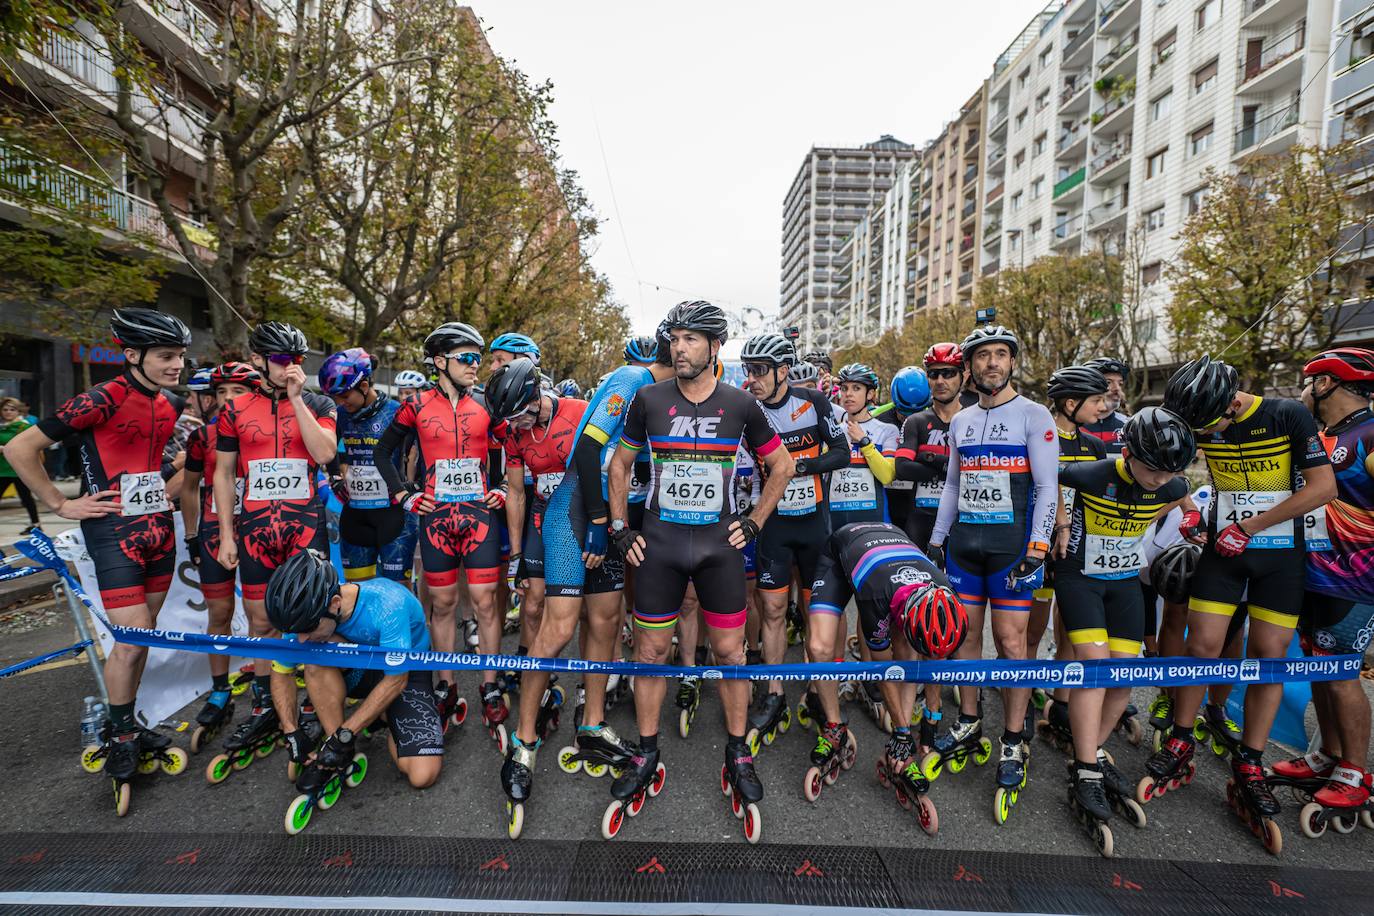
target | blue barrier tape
x=35, y=662
x=18, y=572
x=1134, y=672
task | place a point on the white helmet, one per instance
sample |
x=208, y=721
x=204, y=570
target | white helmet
x=409, y=378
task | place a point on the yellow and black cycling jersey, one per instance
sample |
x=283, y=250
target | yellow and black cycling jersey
x=1111, y=515
x=1255, y=462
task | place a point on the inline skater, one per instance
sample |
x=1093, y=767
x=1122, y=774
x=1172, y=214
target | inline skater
x=923, y=456
x=1108, y=427
x=1113, y=504
x=125, y=517
x=798, y=527
x=576, y=533
x=910, y=395
x=511, y=346
x=453, y=433
x=227, y=381
x=693, y=427
x=858, y=492
x=997, y=512
x=1335, y=617
x=568, y=388
x=1255, y=448
x=825, y=366
x=803, y=375
x=409, y=383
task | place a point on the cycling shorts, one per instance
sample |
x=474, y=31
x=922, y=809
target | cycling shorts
x=751, y=562
x=565, y=531
x=701, y=554
x=1334, y=626
x=980, y=577
x=832, y=589
x=634, y=515
x=215, y=580
x=787, y=541
x=918, y=527
x=412, y=718
x=460, y=534
x=369, y=538
x=532, y=541
x=1110, y=611
x=134, y=556
x=1277, y=578
x=270, y=535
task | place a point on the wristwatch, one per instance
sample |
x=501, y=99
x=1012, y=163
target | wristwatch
x=618, y=525
x=344, y=735
x=865, y=442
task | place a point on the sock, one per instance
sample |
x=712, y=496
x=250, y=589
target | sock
x=122, y=718
x=735, y=741
x=1010, y=737
x=753, y=657
x=966, y=718
x=219, y=681
x=648, y=742
x=522, y=650
x=701, y=656
x=262, y=688
x=1093, y=767
x=1182, y=733
x=1250, y=755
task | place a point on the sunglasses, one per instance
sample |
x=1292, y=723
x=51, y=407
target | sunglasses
x=467, y=359
x=285, y=359
x=757, y=370
x=942, y=373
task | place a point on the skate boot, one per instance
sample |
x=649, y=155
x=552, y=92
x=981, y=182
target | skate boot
x=494, y=713
x=1055, y=728
x=1342, y=802
x=1088, y=802
x=1303, y=776
x=642, y=779
x=323, y=779
x=1120, y=791
x=1218, y=729
x=953, y=749
x=900, y=769
x=769, y=718
x=453, y=709
x=1161, y=714
x=517, y=779
x=579, y=701
x=740, y=783
x=870, y=698
x=809, y=710
x=217, y=711
x=597, y=749
x=1168, y=769
x=1253, y=801
x=1011, y=779
x=1129, y=726
x=550, y=710
x=255, y=737
x=688, y=699
x=835, y=750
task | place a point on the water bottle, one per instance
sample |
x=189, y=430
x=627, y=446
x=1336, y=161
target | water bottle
x=92, y=718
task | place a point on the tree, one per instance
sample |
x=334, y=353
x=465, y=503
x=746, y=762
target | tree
x=1252, y=281
x=905, y=346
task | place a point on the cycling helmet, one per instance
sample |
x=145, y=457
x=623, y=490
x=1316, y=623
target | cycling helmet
x=695, y=315
x=1352, y=366
x=512, y=388
x=140, y=329
x=1201, y=392
x=199, y=382
x=342, y=371
x=1077, y=383
x=568, y=388
x=1106, y=364
x=858, y=372
x=299, y=592
x=819, y=358
x=277, y=337
x=803, y=372
x=1160, y=439
x=932, y=617
x=989, y=334
x=409, y=378
x=769, y=348
x=235, y=373
x=944, y=354
x=641, y=350
x=1172, y=571
x=910, y=390
x=450, y=336
x=519, y=344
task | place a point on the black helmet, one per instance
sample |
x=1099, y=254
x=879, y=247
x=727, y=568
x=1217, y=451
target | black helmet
x=299, y=591
x=277, y=337
x=696, y=315
x=641, y=350
x=450, y=336
x=140, y=329
x=1076, y=382
x=819, y=358
x=1201, y=392
x=1105, y=364
x=512, y=387
x=989, y=334
x=1173, y=569
x=1160, y=439
x=858, y=372
x=769, y=348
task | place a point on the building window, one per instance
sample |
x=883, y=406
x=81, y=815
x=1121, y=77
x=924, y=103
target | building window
x=1161, y=106
x=1035, y=229
x=1042, y=101
x=1146, y=329
x=1200, y=140
x=1038, y=144
x=1018, y=160
x=949, y=245
x=1021, y=118
x=1154, y=219
x=1155, y=164
x=1016, y=200
x=1192, y=201
x=1207, y=14
x=1023, y=78
x=1037, y=188
x=1149, y=274
x=1204, y=78
x=1164, y=48
x=1045, y=57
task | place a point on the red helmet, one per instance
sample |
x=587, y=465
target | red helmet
x=945, y=354
x=1349, y=364
x=934, y=620
x=235, y=374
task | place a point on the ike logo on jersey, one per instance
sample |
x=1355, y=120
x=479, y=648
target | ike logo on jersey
x=694, y=427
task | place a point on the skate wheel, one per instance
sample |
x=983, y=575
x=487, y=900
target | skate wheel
x=1189, y=773
x=931, y=766
x=147, y=764
x=499, y=734
x=92, y=760
x=957, y=763
x=198, y=737
x=1133, y=812
x=594, y=770
x=768, y=738
x=832, y=776
x=1102, y=835
x=984, y=752
x=174, y=762
x=724, y=782
x=752, y=740
x=358, y=772
x=1200, y=733
x=297, y=814
x=1367, y=818
x=803, y=717
x=1105, y=753
x=927, y=816
x=611, y=820
x=566, y=763
x=1345, y=823
x=753, y=823
x=515, y=819
x=902, y=798
x=851, y=753
x=1311, y=822
x=811, y=784
x=1157, y=741
x=659, y=781
x=1001, y=805
x=736, y=805
x=880, y=771
x=785, y=722
x=218, y=769
x=240, y=759
x=955, y=691
x=262, y=750
x=1273, y=837
x=460, y=712
x=123, y=794
x=1145, y=790
x=636, y=804
x=684, y=723
x=886, y=723
x=1218, y=748
x=1134, y=733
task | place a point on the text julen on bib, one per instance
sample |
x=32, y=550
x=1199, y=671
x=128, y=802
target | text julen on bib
x=278, y=478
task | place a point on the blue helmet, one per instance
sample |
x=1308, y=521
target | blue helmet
x=641, y=350
x=910, y=390
x=519, y=344
x=342, y=371
x=199, y=382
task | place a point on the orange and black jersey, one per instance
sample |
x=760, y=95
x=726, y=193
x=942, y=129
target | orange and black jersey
x=1111, y=514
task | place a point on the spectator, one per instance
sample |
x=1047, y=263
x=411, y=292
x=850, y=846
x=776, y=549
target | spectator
x=12, y=423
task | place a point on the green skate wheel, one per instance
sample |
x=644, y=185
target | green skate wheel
x=957, y=763
x=218, y=769
x=262, y=750
x=147, y=763
x=240, y=758
x=332, y=790
x=1218, y=748
x=931, y=765
x=1002, y=802
x=515, y=819
x=984, y=752
x=566, y=763
x=298, y=814
x=123, y=795
x=355, y=778
x=1200, y=733
x=595, y=770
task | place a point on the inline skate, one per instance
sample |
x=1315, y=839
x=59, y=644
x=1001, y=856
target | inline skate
x=835, y=750
x=1342, y=802
x=596, y=748
x=870, y=698
x=1214, y=727
x=322, y=781
x=517, y=779
x=494, y=714
x=217, y=712
x=1128, y=726
x=121, y=756
x=550, y=709
x=1161, y=714
x=1055, y=729
x=900, y=770
x=256, y=737
x=1168, y=769
x=453, y=709
x=642, y=779
x=770, y=717
x=1250, y=797
x=242, y=679
x=1011, y=779
x=809, y=710
x=740, y=783
x=688, y=699
x=1303, y=776
x=306, y=721
x=953, y=749
x=1088, y=802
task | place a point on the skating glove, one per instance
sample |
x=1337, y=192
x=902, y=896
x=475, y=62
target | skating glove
x=625, y=538
x=1232, y=541
x=193, y=548
x=749, y=528
x=298, y=745
x=1027, y=575
x=936, y=554
x=340, y=488
x=1191, y=525
x=596, y=541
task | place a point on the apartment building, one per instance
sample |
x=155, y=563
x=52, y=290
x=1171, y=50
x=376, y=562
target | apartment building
x=876, y=279
x=949, y=224
x=1351, y=120
x=832, y=192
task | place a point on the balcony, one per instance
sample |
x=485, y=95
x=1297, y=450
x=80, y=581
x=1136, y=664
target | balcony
x=1105, y=215
x=1259, y=13
x=1348, y=8
x=1266, y=131
x=965, y=278
x=996, y=157
x=996, y=192
x=991, y=230
x=1069, y=182
x=1069, y=140
x=969, y=209
x=921, y=274
x=1353, y=80
x=991, y=267
x=1118, y=52
x=1072, y=91
x=970, y=142
x=925, y=212
x=172, y=23
x=1079, y=41
x=966, y=244
x=970, y=173
x=1113, y=107
x=1118, y=14
x=998, y=123
x=1263, y=71
x=921, y=302
x=1356, y=244
x=1109, y=9
x=1067, y=232
x=1104, y=161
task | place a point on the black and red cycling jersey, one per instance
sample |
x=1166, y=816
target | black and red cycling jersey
x=200, y=459
x=272, y=455
x=453, y=439
x=544, y=450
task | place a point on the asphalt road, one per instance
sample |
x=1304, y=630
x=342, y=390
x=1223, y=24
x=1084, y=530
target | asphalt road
x=45, y=789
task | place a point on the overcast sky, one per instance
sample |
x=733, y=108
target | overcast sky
x=706, y=109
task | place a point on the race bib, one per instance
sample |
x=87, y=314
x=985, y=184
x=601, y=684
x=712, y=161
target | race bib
x=366, y=489
x=458, y=480
x=1235, y=506
x=690, y=492
x=545, y=484
x=278, y=478
x=985, y=498
x=928, y=492
x=142, y=494
x=1111, y=557
x=853, y=490
x=238, y=497
x=1314, y=530
x=800, y=496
